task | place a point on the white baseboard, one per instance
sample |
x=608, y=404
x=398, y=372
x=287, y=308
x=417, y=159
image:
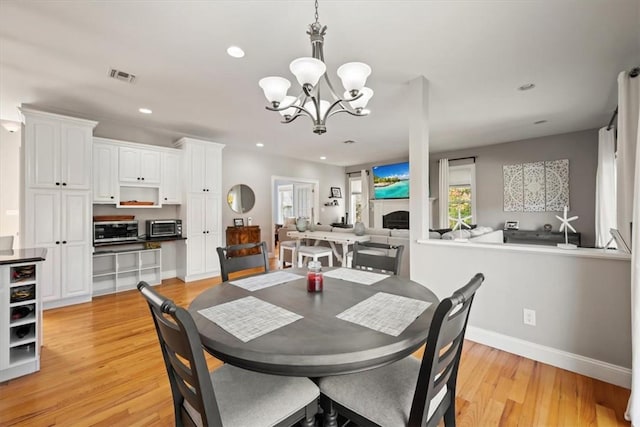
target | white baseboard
x=169, y=274
x=587, y=366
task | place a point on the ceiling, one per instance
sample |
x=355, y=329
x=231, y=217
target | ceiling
x=56, y=55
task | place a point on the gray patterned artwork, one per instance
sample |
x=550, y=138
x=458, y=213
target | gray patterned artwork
x=536, y=187
x=513, y=188
x=557, y=184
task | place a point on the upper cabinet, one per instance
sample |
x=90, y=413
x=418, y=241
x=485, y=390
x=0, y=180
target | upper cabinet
x=142, y=166
x=105, y=172
x=171, y=178
x=203, y=165
x=57, y=151
x=132, y=175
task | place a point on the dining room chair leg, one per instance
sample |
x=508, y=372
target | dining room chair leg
x=311, y=411
x=330, y=414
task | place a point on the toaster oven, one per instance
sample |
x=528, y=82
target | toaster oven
x=115, y=231
x=157, y=228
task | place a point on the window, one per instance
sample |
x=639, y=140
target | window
x=355, y=202
x=462, y=182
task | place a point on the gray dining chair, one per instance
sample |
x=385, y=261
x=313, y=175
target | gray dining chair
x=6, y=243
x=410, y=392
x=228, y=396
x=242, y=257
x=377, y=256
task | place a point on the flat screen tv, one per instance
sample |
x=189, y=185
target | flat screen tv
x=391, y=181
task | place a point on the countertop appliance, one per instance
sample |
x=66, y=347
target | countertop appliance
x=115, y=231
x=164, y=228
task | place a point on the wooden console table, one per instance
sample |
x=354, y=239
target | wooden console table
x=241, y=235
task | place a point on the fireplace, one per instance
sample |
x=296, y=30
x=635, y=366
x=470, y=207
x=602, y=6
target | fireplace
x=396, y=219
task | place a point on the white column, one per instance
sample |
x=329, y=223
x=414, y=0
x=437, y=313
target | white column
x=418, y=161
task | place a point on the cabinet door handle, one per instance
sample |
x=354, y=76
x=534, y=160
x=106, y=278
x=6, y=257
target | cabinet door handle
x=57, y=242
x=112, y=197
x=204, y=189
x=64, y=184
x=64, y=242
x=138, y=178
x=57, y=183
x=204, y=232
x=142, y=178
x=165, y=198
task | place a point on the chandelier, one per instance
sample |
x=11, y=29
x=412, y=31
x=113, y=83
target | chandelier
x=308, y=71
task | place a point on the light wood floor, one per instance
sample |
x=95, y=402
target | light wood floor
x=101, y=366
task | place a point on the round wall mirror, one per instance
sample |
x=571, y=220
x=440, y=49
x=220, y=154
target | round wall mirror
x=241, y=198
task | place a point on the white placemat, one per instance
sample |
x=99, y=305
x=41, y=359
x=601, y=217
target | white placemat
x=262, y=281
x=355, y=275
x=385, y=312
x=249, y=317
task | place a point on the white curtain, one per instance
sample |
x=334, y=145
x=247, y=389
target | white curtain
x=605, y=186
x=628, y=141
x=364, y=179
x=443, y=205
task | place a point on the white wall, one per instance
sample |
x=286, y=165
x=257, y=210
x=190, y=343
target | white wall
x=10, y=183
x=581, y=303
x=255, y=169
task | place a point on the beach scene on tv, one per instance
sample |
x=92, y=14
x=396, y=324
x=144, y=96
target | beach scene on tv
x=391, y=181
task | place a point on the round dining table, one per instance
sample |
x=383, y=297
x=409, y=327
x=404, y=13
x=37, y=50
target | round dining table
x=319, y=344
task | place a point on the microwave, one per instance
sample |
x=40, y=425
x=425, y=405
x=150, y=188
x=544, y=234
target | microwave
x=164, y=228
x=114, y=231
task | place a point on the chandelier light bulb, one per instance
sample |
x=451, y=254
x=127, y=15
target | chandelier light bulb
x=275, y=89
x=354, y=76
x=288, y=101
x=311, y=107
x=361, y=102
x=307, y=70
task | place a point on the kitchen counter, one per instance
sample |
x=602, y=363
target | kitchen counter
x=16, y=256
x=140, y=240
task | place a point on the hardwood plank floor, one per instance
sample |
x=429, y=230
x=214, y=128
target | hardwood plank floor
x=101, y=366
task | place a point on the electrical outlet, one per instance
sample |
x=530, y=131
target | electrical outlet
x=529, y=316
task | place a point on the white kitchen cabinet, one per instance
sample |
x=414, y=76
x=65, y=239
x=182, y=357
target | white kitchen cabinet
x=171, y=178
x=60, y=221
x=139, y=165
x=105, y=173
x=200, y=211
x=203, y=164
x=57, y=151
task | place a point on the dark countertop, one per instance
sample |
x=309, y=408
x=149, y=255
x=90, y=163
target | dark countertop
x=17, y=256
x=139, y=240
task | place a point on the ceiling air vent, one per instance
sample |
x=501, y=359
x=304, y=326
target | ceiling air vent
x=122, y=76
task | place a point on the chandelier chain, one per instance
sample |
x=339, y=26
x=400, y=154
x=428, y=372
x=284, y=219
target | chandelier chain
x=316, y=15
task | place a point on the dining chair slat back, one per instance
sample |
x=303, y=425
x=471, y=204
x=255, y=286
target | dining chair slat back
x=431, y=399
x=231, y=261
x=377, y=256
x=241, y=397
x=180, y=343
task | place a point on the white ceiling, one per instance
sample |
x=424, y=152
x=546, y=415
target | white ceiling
x=56, y=55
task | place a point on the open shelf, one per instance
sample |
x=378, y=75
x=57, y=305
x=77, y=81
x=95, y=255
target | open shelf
x=20, y=310
x=22, y=274
x=122, y=270
x=22, y=353
x=22, y=334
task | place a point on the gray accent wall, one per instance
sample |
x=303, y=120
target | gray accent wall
x=255, y=169
x=581, y=148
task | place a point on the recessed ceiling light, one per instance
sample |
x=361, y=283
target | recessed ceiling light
x=323, y=157
x=259, y=144
x=235, y=51
x=145, y=110
x=527, y=86
x=539, y=122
